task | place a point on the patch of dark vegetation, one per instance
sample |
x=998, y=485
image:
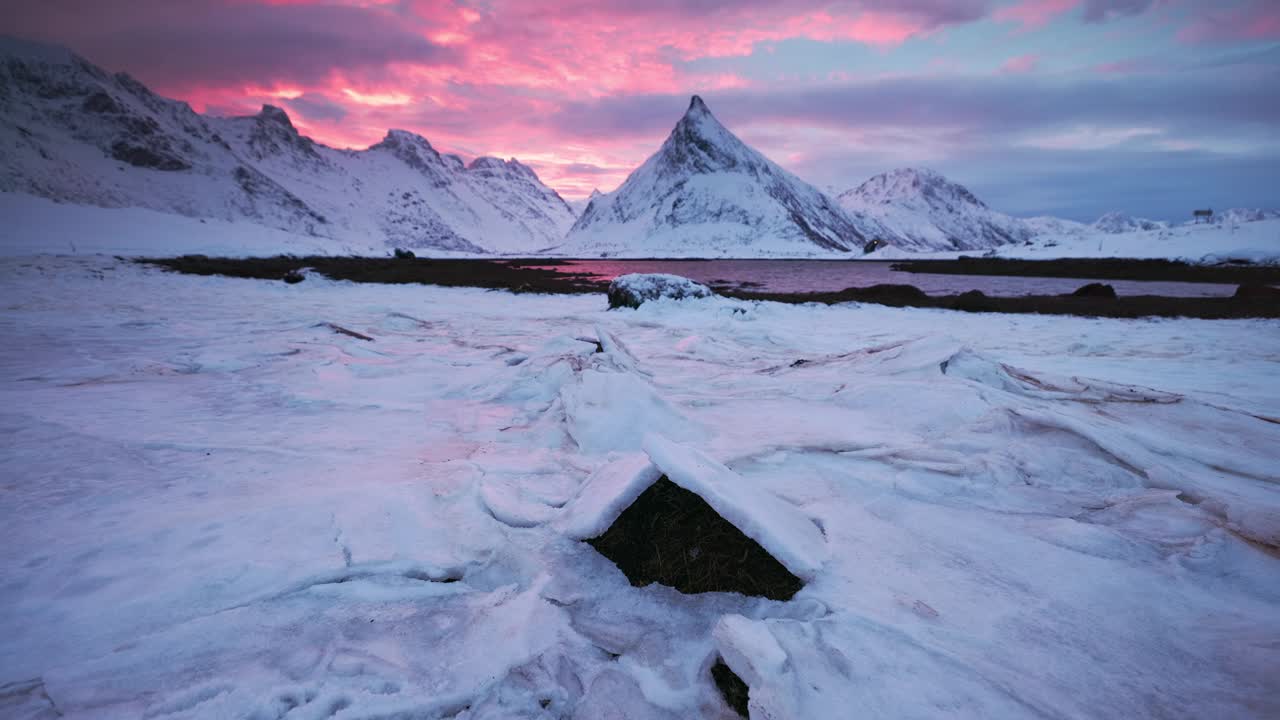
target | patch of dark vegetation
x=1256, y=292
x=734, y=691
x=1096, y=290
x=893, y=293
x=671, y=536
x=523, y=275
x=973, y=301
x=1099, y=269
x=1253, y=303
x=537, y=275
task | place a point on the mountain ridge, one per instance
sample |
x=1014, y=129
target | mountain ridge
x=923, y=210
x=704, y=191
x=79, y=134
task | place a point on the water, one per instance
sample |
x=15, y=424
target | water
x=798, y=276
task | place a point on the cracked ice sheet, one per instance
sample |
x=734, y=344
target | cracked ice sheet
x=216, y=506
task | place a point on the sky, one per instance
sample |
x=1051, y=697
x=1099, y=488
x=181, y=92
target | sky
x=1064, y=107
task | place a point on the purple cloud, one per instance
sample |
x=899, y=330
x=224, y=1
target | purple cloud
x=1096, y=11
x=222, y=42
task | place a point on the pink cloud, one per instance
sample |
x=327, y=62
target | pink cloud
x=1020, y=64
x=1034, y=14
x=1251, y=20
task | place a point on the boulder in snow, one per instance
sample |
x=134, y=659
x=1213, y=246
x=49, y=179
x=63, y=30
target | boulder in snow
x=1096, y=290
x=689, y=522
x=634, y=289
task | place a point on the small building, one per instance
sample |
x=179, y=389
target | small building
x=1206, y=215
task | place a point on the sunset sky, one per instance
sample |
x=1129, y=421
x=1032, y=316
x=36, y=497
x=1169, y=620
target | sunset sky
x=1069, y=107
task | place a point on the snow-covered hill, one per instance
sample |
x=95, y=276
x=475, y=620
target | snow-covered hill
x=1236, y=216
x=1114, y=223
x=1049, y=225
x=706, y=193
x=73, y=133
x=1257, y=242
x=923, y=210
x=580, y=206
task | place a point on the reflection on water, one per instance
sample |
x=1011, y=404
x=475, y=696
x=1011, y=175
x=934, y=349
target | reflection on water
x=798, y=276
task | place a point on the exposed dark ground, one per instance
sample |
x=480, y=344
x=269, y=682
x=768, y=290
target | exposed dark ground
x=514, y=275
x=1098, y=269
x=671, y=536
x=537, y=276
x=735, y=692
x=1129, y=306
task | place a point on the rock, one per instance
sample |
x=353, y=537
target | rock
x=974, y=301
x=1096, y=290
x=293, y=277
x=890, y=293
x=734, y=691
x=634, y=289
x=145, y=157
x=1257, y=292
x=102, y=104
x=402, y=254
x=873, y=245
x=671, y=536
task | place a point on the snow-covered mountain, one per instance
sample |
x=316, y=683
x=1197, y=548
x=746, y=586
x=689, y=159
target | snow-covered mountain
x=72, y=132
x=1114, y=223
x=923, y=210
x=579, y=206
x=1235, y=216
x=706, y=193
x=1049, y=225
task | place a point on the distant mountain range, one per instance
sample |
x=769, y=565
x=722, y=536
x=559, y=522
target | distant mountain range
x=74, y=133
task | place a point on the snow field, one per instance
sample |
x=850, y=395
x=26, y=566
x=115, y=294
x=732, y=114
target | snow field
x=216, y=506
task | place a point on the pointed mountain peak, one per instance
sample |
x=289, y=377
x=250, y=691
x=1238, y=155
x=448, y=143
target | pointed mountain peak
x=273, y=114
x=403, y=138
x=699, y=116
x=700, y=144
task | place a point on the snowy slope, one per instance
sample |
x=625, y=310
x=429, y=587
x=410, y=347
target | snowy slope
x=1049, y=225
x=925, y=211
x=212, y=510
x=706, y=193
x=580, y=205
x=73, y=133
x=1114, y=223
x=39, y=226
x=1236, y=216
x=1257, y=242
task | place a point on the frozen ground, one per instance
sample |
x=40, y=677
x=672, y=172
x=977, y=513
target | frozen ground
x=215, y=506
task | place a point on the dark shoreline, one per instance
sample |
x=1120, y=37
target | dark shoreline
x=1098, y=269
x=524, y=276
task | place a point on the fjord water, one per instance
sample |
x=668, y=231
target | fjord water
x=800, y=276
